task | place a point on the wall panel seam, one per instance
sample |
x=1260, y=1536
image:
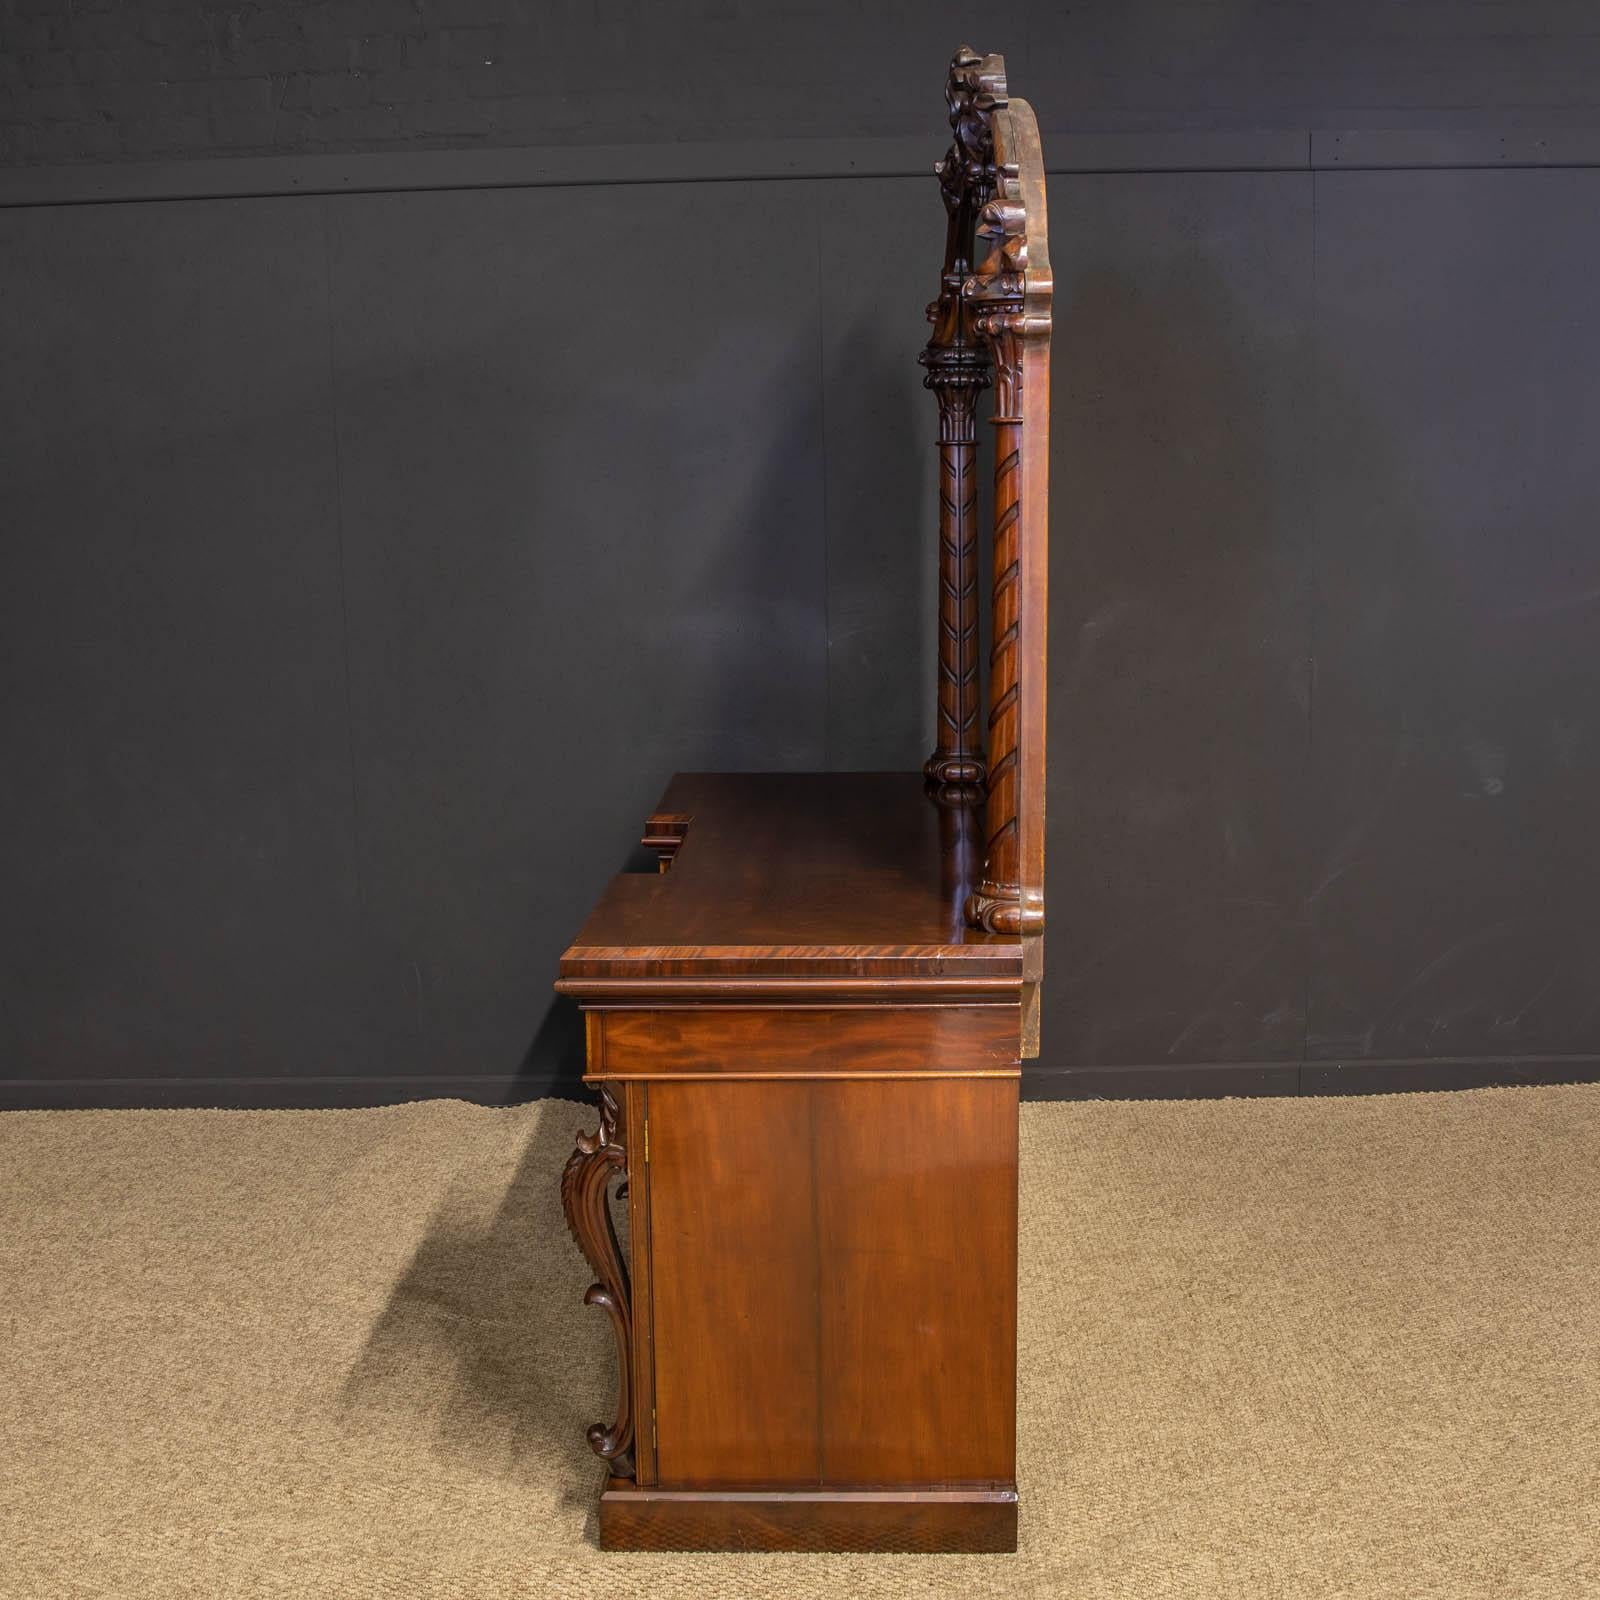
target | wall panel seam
x=1287, y=150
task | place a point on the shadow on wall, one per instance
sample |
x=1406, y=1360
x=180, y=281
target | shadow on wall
x=1322, y=761
x=1454, y=760
x=882, y=543
x=1318, y=782
x=1179, y=680
x=739, y=651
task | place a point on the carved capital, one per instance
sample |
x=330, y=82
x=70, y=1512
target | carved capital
x=956, y=377
x=1003, y=334
x=962, y=363
x=585, y=1182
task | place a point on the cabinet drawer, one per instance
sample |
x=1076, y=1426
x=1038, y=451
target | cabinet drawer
x=806, y=1042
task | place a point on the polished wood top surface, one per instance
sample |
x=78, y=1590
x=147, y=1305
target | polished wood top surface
x=850, y=878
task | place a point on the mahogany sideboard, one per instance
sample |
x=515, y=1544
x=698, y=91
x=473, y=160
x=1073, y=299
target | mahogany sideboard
x=806, y=1029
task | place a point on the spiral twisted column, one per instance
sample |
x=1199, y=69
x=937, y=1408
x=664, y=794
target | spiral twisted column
x=996, y=904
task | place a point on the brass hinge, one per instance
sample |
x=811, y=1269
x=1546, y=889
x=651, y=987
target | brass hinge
x=653, y=1440
x=647, y=1141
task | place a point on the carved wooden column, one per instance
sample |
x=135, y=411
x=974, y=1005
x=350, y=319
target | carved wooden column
x=996, y=904
x=958, y=369
x=997, y=295
x=599, y=1158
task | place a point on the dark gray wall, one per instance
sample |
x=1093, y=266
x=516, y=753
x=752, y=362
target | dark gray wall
x=1325, y=673
x=86, y=80
x=372, y=558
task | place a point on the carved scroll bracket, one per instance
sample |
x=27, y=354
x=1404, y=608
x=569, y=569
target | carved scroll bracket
x=585, y=1182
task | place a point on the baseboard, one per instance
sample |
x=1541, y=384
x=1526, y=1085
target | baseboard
x=1187, y=1080
x=1217, y=1080
x=1180, y=1081
x=1461, y=1072
x=279, y=1094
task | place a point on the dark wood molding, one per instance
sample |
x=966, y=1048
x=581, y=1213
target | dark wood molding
x=599, y=1159
x=888, y=987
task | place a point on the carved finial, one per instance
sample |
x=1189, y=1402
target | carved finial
x=976, y=87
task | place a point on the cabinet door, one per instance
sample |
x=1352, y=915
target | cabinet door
x=833, y=1281
x=917, y=1218
x=735, y=1277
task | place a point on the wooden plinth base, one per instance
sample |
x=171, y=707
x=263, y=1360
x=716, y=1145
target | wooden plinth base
x=976, y=1521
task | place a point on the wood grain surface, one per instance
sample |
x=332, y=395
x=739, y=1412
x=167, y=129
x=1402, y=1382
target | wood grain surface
x=975, y=1521
x=804, y=1041
x=834, y=1268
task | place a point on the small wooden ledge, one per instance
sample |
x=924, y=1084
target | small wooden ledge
x=664, y=832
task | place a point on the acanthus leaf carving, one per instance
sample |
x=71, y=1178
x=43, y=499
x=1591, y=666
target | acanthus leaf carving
x=585, y=1183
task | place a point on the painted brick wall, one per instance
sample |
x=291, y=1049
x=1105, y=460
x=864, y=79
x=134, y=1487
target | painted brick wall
x=98, y=80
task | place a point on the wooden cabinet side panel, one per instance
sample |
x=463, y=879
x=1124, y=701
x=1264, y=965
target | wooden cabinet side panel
x=917, y=1226
x=735, y=1281
x=833, y=1282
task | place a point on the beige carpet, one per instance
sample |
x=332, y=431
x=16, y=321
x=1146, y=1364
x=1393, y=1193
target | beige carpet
x=1270, y=1348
